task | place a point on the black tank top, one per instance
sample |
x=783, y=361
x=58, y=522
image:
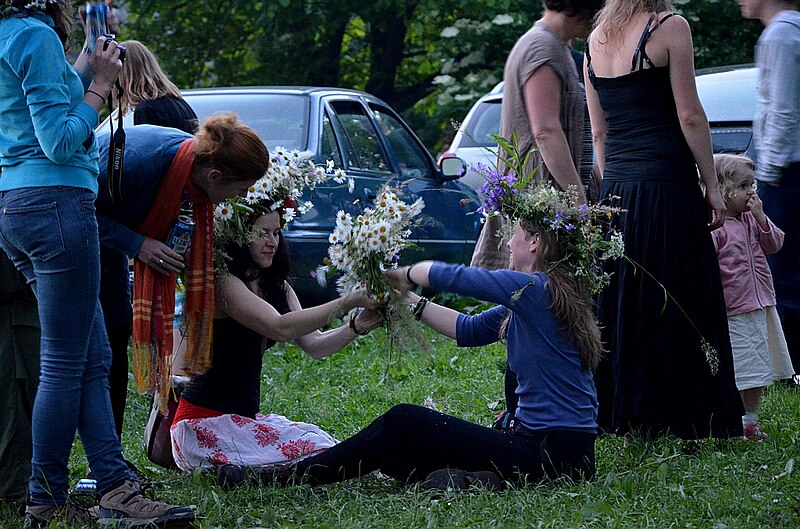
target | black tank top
x=233, y=384
x=644, y=139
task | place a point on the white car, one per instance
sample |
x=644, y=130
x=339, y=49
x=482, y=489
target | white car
x=728, y=94
x=473, y=141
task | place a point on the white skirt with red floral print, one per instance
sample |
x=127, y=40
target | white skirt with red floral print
x=233, y=439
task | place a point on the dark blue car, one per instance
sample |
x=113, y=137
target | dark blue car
x=364, y=136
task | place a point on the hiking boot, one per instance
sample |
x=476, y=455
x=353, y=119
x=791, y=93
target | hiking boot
x=752, y=432
x=125, y=506
x=40, y=516
x=448, y=479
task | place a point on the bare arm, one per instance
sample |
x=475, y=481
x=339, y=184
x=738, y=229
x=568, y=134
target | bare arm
x=243, y=305
x=441, y=319
x=598, y=120
x=543, y=105
x=691, y=115
x=318, y=344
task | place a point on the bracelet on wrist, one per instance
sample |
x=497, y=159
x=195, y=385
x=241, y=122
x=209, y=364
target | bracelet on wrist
x=408, y=275
x=90, y=91
x=419, y=308
x=352, y=326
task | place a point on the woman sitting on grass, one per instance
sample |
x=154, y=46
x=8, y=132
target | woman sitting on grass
x=217, y=421
x=544, y=313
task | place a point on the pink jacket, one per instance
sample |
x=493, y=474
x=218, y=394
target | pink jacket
x=741, y=247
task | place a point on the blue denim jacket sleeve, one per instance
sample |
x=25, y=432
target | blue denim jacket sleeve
x=45, y=81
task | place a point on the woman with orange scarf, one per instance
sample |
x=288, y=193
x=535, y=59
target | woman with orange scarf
x=167, y=170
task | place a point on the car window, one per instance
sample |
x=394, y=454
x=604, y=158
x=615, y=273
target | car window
x=731, y=139
x=330, y=151
x=280, y=119
x=359, y=137
x=484, y=122
x=413, y=161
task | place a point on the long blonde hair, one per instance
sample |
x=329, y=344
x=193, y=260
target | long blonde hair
x=616, y=14
x=572, y=302
x=142, y=78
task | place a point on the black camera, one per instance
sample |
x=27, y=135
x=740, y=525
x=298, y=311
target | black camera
x=109, y=37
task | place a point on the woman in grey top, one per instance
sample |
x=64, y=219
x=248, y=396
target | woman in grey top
x=543, y=107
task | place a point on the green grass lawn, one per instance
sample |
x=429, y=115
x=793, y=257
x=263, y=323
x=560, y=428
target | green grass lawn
x=668, y=483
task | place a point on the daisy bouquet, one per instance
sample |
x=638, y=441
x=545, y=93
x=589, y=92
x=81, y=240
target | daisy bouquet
x=289, y=175
x=364, y=246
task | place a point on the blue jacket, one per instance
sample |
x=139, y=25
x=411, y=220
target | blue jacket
x=45, y=127
x=149, y=151
x=554, y=391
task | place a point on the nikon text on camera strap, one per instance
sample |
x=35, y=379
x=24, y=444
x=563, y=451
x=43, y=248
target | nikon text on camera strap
x=116, y=149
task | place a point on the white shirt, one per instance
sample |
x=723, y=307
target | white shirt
x=776, y=128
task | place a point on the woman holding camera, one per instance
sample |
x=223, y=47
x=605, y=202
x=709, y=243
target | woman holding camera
x=48, y=155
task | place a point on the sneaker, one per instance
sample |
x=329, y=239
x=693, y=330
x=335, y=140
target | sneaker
x=230, y=477
x=40, y=516
x=125, y=506
x=448, y=479
x=752, y=432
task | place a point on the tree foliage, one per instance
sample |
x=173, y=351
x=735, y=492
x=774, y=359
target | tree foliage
x=429, y=59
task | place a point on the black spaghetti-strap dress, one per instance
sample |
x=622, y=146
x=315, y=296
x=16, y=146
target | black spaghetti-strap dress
x=656, y=377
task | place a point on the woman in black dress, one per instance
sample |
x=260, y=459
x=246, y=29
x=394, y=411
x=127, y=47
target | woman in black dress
x=651, y=138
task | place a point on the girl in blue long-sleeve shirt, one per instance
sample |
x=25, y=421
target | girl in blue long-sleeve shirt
x=553, y=344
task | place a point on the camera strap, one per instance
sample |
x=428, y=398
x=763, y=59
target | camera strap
x=116, y=149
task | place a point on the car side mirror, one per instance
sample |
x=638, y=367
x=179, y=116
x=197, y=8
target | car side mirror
x=453, y=168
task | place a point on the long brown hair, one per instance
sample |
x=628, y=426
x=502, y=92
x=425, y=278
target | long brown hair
x=142, y=78
x=616, y=14
x=228, y=145
x=572, y=301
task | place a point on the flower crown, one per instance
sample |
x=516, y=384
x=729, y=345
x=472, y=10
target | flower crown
x=290, y=173
x=7, y=7
x=583, y=231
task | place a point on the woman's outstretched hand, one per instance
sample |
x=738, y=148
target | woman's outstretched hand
x=360, y=298
x=367, y=320
x=398, y=277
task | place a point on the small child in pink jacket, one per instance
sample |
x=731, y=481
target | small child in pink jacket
x=760, y=354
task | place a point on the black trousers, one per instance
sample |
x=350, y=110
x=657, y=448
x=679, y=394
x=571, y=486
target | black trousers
x=781, y=205
x=408, y=442
x=19, y=380
x=118, y=375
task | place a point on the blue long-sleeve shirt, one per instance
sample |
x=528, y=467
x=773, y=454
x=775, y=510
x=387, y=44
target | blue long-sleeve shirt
x=554, y=391
x=45, y=127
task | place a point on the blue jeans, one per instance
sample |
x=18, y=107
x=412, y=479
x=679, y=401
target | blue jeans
x=50, y=233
